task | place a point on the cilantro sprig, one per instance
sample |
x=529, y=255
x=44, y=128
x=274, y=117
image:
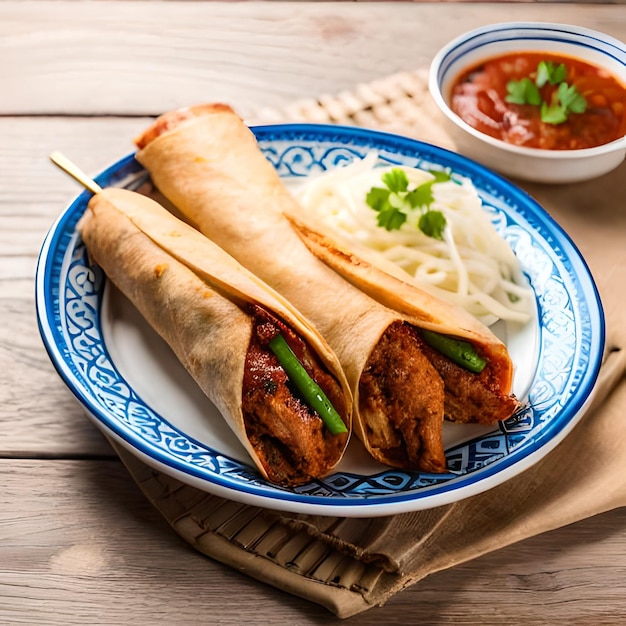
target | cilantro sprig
x=549, y=72
x=565, y=100
x=523, y=91
x=395, y=202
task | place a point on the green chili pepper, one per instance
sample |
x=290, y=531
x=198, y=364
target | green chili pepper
x=310, y=390
x=460, y=352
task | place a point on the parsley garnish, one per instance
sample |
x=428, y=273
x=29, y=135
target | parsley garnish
x=548, y=72
x=523, y=92
x=565, y=100
x=396, y=201
x=432, y=223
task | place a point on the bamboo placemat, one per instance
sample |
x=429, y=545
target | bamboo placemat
x=350, y=565
x=399, y=103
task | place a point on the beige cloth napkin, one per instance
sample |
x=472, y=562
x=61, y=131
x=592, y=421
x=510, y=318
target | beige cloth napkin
x=350, y=565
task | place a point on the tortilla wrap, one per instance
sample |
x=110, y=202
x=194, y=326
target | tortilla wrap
x=202, y=302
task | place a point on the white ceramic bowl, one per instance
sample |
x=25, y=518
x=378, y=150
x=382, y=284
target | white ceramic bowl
x=551, y=166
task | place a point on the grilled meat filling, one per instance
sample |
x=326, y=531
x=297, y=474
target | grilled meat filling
x=402, y=399
x=289, y=437
x=471, y=398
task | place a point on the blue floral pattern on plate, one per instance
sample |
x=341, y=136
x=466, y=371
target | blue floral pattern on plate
x=570, y=342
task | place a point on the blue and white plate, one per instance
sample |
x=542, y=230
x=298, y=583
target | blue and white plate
x=134, y=389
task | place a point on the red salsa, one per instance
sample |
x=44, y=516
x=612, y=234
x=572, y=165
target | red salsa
x=479, y=97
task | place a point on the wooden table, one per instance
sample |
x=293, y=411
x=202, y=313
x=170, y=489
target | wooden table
x=78, y=542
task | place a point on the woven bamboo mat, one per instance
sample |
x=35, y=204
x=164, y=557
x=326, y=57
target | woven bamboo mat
x=399, y=103
x=347, y=565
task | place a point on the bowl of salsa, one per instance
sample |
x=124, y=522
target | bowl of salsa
x=535, y=101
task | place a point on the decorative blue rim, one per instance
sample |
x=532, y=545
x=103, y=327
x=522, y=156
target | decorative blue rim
x=529, y=31
x=571, y=338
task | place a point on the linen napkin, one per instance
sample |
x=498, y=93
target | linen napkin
x=349, y=565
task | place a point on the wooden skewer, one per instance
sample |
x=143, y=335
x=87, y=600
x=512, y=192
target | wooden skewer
x=75, y=172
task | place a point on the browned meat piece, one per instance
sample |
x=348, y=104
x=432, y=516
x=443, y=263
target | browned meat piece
x=288, y=436
x=471, y=398
x=402, y=399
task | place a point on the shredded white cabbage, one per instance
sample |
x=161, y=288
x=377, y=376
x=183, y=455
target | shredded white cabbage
x=472, y=266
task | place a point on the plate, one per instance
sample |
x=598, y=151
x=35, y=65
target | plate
x=137, y=393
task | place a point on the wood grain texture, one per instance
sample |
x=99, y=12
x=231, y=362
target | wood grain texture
x=137, y=58
x=39, y=417
x=83, y=546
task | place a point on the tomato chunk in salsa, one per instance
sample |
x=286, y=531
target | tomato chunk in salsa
x=479, y=97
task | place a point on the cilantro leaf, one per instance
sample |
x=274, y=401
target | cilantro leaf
x=543, y=74
x=421, y=196
x=391, y=218
x=567, y=99
x=377, y=198
x=433, y=223
x=548, y=72
x=571, y=99
x=522, y=92
x=553, y=113
x=394, y=202
x=396, y=180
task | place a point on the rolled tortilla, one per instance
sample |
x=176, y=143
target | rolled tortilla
x=482, y=398
x=218, y=318
x=209, y=165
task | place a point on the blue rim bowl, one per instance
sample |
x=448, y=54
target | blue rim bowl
x=534, y=164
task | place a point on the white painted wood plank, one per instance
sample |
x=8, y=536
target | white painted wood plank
x=38, y=414
x=147, y=57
